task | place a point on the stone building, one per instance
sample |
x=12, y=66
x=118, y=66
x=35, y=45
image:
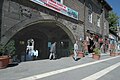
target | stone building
x=46, y=21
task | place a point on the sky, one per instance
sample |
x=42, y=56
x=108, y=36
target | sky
x=115, y=4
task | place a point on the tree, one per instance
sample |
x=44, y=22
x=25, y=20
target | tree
x=113, y=20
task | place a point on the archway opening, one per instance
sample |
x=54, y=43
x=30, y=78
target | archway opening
x=43, y=34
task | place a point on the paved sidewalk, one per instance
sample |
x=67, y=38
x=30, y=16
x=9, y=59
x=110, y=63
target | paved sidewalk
x=102, y=54
x=30, y=68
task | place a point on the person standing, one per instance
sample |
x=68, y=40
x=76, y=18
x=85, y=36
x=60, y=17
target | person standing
x=91, y=45
x=52, y=51
x=75, y=50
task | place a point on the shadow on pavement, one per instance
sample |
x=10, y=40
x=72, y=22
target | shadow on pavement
x=13, y=64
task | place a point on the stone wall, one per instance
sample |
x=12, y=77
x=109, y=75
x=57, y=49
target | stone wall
x=13, y=20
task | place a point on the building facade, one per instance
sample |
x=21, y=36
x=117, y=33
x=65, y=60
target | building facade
x=47, y=21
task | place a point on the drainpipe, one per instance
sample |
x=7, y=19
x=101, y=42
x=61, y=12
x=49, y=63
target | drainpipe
x=102, y=30
x=84, y=20
x=1, y=6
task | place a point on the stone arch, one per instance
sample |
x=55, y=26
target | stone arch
x=23, y=24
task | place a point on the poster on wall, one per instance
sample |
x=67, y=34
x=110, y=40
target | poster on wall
x=58, y=7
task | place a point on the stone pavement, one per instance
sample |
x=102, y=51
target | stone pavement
x=30, y=68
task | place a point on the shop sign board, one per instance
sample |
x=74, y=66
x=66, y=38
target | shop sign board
x=58, y=7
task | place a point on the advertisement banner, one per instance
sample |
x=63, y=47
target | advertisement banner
x=58, y=7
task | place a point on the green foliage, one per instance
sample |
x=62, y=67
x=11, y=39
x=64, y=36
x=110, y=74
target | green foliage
x=2, y=49
x=113, y=20
x=96, y=51
x=8, y=49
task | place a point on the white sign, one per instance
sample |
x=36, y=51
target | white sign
x=58, y=7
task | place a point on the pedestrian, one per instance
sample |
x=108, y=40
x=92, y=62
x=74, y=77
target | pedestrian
x=75, y=50
x=91, y=45
x=52, y=51
x=35, y=54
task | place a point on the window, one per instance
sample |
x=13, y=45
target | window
x=105, y=25
x=98, y=21
x=90, y=14
x=61, y=1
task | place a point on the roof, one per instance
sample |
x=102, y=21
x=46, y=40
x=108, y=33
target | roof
x=105, y=4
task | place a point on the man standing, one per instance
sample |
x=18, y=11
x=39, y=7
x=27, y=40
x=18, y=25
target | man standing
x=52, y=51
x=75, y=50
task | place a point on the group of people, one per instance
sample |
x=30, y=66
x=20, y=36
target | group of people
x=52, y=56
x=53, y=51
x=96, y=42
x=91, y=44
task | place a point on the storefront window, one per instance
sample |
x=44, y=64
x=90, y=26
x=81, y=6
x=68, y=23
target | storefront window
x=49, y=44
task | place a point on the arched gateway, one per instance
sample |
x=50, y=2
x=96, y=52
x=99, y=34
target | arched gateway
x=44, y=33
x=21, y=22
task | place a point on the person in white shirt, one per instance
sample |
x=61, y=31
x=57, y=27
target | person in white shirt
x=35, y=54
x=75, y=50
